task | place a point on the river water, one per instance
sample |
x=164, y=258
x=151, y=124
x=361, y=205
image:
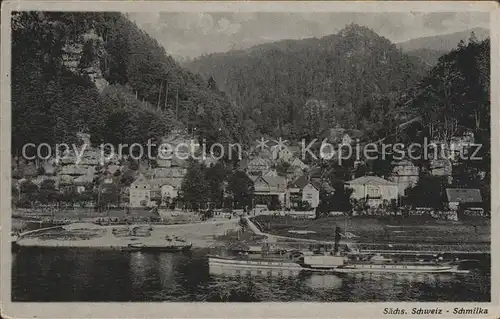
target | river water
x=100, y=275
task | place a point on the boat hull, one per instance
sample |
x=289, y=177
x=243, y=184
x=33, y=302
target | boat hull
x=393, y=269
x=233, y=264
x=170, y=248
x=253, y=264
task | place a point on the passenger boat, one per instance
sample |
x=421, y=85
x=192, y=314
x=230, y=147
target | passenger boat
x=332, y=264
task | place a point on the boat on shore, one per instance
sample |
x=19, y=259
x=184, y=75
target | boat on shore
x=13, y=242
x=172, y=245
x=133, y=247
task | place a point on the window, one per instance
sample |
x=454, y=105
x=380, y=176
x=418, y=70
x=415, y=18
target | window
x=373, y=191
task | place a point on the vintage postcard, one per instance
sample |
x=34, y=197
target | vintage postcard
x=249, y=159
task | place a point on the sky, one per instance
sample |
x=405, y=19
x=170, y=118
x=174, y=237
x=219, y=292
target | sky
x=188, y=35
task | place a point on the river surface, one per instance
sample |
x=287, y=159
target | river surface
x=98, y=275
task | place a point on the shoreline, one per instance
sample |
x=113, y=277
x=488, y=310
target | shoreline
x=200, y=235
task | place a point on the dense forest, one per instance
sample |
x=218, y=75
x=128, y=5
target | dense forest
x=455, y=99
x=146, y=92
x=297, y=88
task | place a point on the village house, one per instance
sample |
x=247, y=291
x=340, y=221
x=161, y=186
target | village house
x=166, y=187
x=302, y=189
x=49, y=169
x=83, y=181
x=266, y=187
x=112, y=169
x=140, y=192
x=441, y=167
x=405, y=174
x=272, y=172
x=257, y=166
x=65, y=182
x=461, y=145
x=463, y=198
x=73, y=170
x=339, y=136
x=298, y=163
x=281, y=153
x=373, y=189
x=293, y=172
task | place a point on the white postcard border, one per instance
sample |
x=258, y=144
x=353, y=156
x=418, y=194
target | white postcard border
x=236, y=310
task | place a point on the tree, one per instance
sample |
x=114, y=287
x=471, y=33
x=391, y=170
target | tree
x=215, y=177
x=108, y=194
x=241, y=187
x=429, y=192
x=29, y=191
x=195, y=188
x=47, y=193
x=303, y=205
x=274, y=203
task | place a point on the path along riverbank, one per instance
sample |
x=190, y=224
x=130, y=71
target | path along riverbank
x=95, y=236
x=374, y=247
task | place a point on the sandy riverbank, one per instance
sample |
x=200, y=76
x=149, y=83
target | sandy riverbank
x=199, y=234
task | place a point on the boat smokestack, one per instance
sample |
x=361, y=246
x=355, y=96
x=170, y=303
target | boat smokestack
x=337, y=239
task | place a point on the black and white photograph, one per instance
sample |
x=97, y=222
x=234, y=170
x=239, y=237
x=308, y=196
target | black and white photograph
x=236, y=155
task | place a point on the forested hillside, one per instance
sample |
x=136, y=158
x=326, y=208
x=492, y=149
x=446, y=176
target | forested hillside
x=455, y=97
x=99, y=73
x=430, y=49
x=443, y=42
x=296, y=88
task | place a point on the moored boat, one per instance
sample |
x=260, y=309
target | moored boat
x=233, y=262
x=394, y=268
x=332, y=264
x=13, y=241
x=133, y=247
x=167, y=246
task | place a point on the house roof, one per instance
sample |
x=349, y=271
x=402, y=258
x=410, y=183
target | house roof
x=243, y=164
x=275, y=181
x=370, y=180
x=159, y=182
x=253, y=178
x=259, y=161
x=464, y=195
x=141, y=179
x=278, y=182
x=113, y=168
x=65, y=180
x=176, y=161
x=83, y=179
x=316, y=171
x=301, y=182
x=271, y=172
x=169, y=172
x=297, y=162
x=73, y=170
